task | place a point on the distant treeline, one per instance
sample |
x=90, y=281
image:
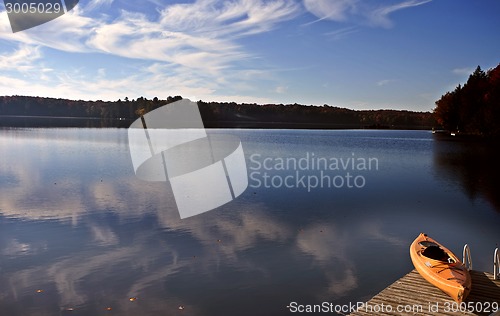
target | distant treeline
x=214, y=114
x=217, y=114
x=474, y=108
x=37, y=106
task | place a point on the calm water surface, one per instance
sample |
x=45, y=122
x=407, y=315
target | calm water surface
x=81, y=235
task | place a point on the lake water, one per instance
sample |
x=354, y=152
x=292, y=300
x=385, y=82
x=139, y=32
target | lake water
x=80, y=234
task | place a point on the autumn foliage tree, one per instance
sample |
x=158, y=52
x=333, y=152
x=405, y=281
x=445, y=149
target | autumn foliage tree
x=473, y=108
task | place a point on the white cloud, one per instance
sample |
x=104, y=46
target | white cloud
x=236, y=18
x=21, y=59
x=384, y=82
x=330, y=10
x=358, y=11
x=281, y=89
x=67, y=33
x=380, y=16
x=199, y=35
x=157, y=79
x=341, y=33
x=95, y=4
x=195, y=44
x=465, y=71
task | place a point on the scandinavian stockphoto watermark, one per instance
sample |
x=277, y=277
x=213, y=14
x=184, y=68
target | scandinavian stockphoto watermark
x=25, y=14
x=171, y=144
x=310, y=171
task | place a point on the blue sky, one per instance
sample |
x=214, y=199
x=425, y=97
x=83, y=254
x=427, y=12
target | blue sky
x=359, y=54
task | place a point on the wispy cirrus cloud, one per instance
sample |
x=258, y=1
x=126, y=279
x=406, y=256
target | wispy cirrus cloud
x=199, y=34
x=380, y=16
x=358, y=11
x=21, y=59
x=331, y=10
x=341, y=33
x=94, y=4
x=67, y=33
x=229, y=18
x=195, y=44
x=464, y=71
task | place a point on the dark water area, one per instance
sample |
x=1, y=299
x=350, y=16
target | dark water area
x=327, y=216
x=474, y=164
x=58, y=122
x=97, y=122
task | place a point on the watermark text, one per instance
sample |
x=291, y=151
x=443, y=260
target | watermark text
x=310, y=172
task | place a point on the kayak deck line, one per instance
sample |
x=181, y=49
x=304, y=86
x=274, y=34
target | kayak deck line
x=412, y=291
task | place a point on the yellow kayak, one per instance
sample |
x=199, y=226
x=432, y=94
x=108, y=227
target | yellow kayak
x=440, y=267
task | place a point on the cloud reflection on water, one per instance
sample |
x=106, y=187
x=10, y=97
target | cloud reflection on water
x=100, y=236
x=327, y=244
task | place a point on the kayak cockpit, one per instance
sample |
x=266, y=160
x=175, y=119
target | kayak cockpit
x=433, y=251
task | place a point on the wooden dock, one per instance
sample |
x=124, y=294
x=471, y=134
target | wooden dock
x=413, y=295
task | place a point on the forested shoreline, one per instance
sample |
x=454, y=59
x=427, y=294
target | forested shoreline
x=120, y=113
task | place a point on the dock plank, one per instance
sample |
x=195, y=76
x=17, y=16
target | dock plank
x=419, y=297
